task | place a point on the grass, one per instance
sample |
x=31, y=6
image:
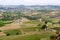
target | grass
x=12, y=32
x=31, y=23
x=8, y=22
x=1, y=23
x=31, y=28
x=27, y=37
x=27, y=27
x=57, y=28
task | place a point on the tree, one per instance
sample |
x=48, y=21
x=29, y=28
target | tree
x=46, y=22
x=44, y=27
x=59, y=22
x=17, y=33
x=7, y=34
x=1, y=23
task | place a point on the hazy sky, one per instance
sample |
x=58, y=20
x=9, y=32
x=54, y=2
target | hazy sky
x=29, y=2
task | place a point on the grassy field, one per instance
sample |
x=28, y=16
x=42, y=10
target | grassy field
x=31, y=31
x=27, y=37
x=2, y=23
x=12, y=32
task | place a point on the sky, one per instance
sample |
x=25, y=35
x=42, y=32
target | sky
x=29, y=2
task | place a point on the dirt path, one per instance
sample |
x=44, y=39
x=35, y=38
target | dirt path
x=2, y=34
x=14, y=25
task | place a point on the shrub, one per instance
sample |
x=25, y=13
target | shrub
x=59, y=22
x=45, y=22
x=44, y=26
x=7, y=34
x=17, y=33
x=0, y=31
x=1, y=23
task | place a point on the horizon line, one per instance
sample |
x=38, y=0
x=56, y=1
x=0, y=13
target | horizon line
x=29, y=5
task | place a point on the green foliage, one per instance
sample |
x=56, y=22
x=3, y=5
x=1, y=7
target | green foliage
x=12, y=32
x=59, y=22
x=39, y=25
x=17, y=33
x=56, y=28
x=29, y=29
x=0, y=30
x=8, y=22
x=30, y=26
x=11, y=15
x=1, y=23
x=33, y=17
x=7, y=34
x=27, y=37
x=44, y=26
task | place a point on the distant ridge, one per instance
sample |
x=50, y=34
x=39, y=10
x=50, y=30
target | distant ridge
x=31, y=7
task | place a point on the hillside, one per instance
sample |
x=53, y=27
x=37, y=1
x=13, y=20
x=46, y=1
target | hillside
x=33, y=7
